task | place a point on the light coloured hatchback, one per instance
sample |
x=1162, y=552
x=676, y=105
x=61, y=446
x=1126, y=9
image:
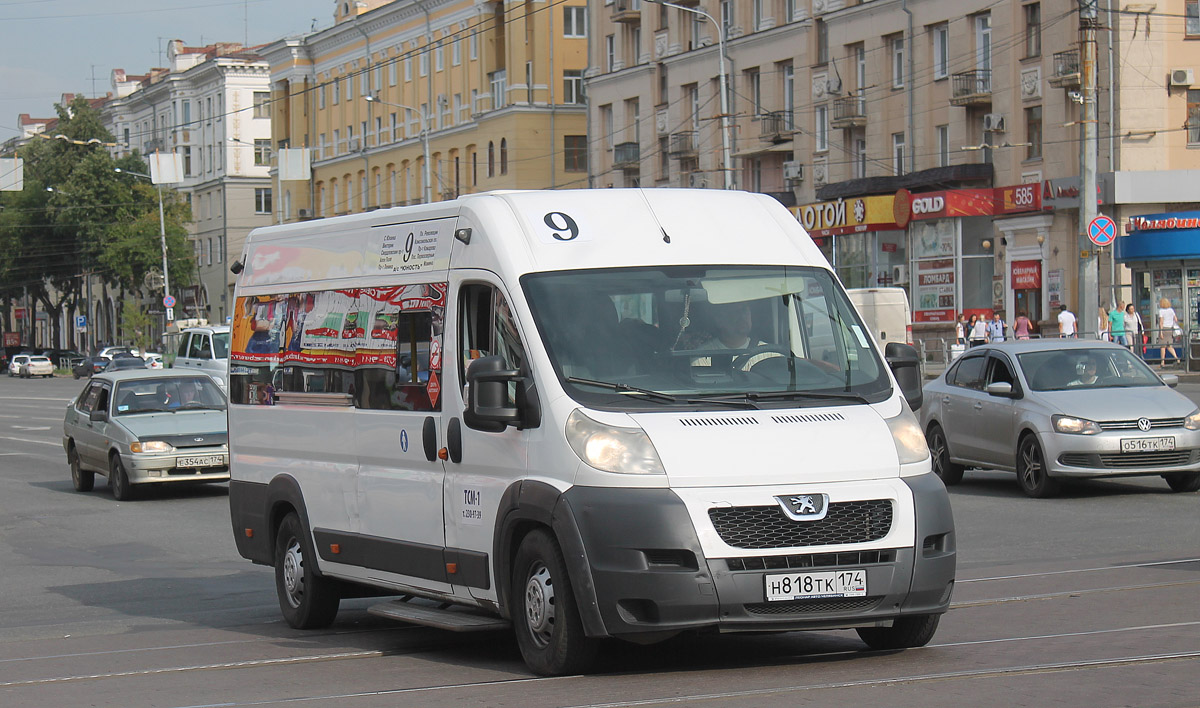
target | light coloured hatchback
x=140, y=426
x=36, y=366
x=1051, y=409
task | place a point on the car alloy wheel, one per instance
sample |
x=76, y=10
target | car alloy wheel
x=1035, y=481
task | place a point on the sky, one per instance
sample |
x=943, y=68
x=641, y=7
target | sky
x=52, y=47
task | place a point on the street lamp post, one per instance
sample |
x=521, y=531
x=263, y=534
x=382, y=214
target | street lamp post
x=162, y=228
x=424, y=140
x=725, y=126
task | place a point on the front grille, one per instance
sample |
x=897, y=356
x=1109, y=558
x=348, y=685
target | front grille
x=194, y=471
x=1133, y=424
x=849, y=604
x=812, y=560
x=768, y=527
x=1129, y=460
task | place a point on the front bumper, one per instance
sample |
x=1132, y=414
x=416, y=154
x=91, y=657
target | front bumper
x=1100, y=455
x=650, y=576
x=164, y=467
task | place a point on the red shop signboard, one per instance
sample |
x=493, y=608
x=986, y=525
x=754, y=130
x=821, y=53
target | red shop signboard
x=1026, y=275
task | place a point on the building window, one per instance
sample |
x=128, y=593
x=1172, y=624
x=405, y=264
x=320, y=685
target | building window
x=943, y=145
x=573, y=86
x=575, y=22
x=790, y=7
x=941, y=51
x=1191, y=24
x=759, y=14
x=392, y=72
x=1193, y=116
x=726, y=16
x=408, y=66
x=491, y=159
x=350, y=88
x=610, y=52
x=362, y=188
x=423, y=61
x=635, y=45
x=439, y=57
x=822, y=31
x=503, y=156
x=262, y=151
x=606, y=125
x=529, y=83
x=860, y=158
x=337, y=91
x=575, y=153
x=393, y=128
x=262, y=200
x=821, y=129
x=262, y=104
x=208, y=251
x=897, y=43
x=187, y=161
x=754, y=87
x=1033, y=30
x=788, y=76
x=898, y=153
x=499, y=83
x=664, y=158
x=1033, y=133
x=474, y=46
x=456, y=52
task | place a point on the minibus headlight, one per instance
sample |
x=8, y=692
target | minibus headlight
x=150, y=446
x=612, y=449
x=906, y=433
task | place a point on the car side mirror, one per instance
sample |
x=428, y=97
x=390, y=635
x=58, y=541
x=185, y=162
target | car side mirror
x=488, y=407
x=1000, y=388
x=905, y=364
x=1170, y=379
x=97, y=416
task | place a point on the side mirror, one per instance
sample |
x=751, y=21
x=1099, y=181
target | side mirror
x=97, y=416
x=999, y=388
x=905, y=364
x=488, y=407
x=1170, y=379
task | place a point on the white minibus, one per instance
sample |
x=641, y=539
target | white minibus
x=584, y=414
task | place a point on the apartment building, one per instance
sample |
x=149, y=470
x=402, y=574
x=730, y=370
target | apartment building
x=492, y=92
x=212, y=106
x=929, y=144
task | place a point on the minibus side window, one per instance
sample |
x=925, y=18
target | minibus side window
x=404, y=387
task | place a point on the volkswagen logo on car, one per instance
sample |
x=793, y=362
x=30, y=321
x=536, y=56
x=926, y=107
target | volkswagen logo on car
x=804, y=507
x=1143, y=424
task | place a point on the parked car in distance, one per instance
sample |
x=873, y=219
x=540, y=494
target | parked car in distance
x=14, y=364
x=153, y=361
x=63, y=358
x=146, y=427
x=36, y=365
x=89, y=366
x=1055, y=409
x=118, y=363
x=110, y=352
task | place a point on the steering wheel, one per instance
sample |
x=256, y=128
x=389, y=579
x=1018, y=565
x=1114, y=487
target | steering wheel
x=741, y=360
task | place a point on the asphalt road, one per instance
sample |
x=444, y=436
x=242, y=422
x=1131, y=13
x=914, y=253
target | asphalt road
x=1091, y=599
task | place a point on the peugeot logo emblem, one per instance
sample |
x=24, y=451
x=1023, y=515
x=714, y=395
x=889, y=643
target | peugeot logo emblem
x=804, y=507
x=1143, y=424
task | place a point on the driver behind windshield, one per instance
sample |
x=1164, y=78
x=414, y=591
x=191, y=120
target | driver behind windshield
x=731, y=326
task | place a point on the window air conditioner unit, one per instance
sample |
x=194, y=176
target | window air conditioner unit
x=696, y=180
x=793, y=171
x=900, y=275
x=355, y=144
x=993, y=122
x=1182, y=77
x=303, y=214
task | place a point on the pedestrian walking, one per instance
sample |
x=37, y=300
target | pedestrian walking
x=960, y=330
x=997, y=328
x=1134, y=331
x=977, y=330
x=1066, y=322
x=1168, y=330
x=1116, y=324
x=1022, y=327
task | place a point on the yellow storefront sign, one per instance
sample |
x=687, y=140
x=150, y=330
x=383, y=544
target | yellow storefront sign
x=844, y=216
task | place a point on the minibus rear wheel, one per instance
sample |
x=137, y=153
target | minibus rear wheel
x=905, y=633
x=545, y=617
x=307, y=600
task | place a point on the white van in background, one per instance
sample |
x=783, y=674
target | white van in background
x=886, y=313
x=585, y=413
x=205, y=348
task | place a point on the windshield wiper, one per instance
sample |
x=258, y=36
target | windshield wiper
x=625, y=388
x=783, y=395
x=724, y=400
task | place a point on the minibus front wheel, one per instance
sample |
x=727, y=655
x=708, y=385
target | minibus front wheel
x=545, y=616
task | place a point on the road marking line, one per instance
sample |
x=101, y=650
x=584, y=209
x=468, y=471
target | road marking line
x=1142, y=628
x=1068, y=593
x=36, y=398
x=388, y=692
x=1079, y=570
x=29, y=428
x=42, y=442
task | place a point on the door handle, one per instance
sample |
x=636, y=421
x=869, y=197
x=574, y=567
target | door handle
x=454, y=440
x=429, y=438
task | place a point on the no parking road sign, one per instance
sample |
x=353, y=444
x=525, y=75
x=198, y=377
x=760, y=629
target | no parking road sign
x=169, y=300
x=1102, y=230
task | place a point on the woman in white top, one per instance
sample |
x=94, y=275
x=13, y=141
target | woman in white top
x=1168, y=329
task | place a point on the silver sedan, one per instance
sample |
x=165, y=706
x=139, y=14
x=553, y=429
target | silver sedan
x=141, y=427
x=1052, y=409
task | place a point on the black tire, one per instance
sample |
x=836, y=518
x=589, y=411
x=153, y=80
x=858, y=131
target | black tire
x=1031, y=470
x=1183, y=481
x=82, y=479
x=939, y=453
x=307, y=600
x=118, y=480
x=544, y=614
x=905, y=633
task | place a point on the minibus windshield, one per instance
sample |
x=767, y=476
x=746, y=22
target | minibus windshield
x=762, y=336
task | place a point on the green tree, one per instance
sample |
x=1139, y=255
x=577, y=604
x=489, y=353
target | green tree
x=136, y=323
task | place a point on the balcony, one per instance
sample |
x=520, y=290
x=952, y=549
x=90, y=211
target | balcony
x=683, y=144
x=627, y=11
x=972, y=88
x=849, y=112
x=627, y=156
x=1066, y=70
x=776, y=126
